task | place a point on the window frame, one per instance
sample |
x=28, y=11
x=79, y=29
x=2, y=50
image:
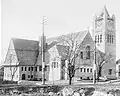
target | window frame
x=87, y=49
x=40, y=68
x=36, y=68
x=29, y=68
x=81, y=55
x=100, y=38
x=25, y=68
x=22, y=68
x=84, y=69
x=87, y=69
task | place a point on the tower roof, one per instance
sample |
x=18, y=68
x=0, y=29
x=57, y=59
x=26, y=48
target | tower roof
x=105, y=11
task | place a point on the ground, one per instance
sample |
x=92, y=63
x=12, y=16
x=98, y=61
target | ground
x=34, y=87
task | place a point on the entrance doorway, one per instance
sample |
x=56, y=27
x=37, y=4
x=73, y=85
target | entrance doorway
x=23, y=76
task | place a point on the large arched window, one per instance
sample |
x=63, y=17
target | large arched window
x=87, y=52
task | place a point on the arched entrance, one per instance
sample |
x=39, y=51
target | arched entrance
x=23, y=76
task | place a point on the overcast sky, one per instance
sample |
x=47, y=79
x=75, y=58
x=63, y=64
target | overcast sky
x=22, y=18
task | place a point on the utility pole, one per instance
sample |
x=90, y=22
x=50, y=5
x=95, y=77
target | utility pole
x=94, y=65
x=43, y=42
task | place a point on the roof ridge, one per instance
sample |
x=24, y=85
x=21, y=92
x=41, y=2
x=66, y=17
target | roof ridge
x=13, y=38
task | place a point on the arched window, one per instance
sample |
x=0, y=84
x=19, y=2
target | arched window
x=87, y=52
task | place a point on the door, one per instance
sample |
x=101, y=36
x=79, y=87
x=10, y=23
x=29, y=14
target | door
x=23, y=76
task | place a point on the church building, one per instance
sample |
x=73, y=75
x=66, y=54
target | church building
x=24, y=60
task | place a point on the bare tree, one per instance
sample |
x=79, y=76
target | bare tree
x=101, y=60
x=71, y=48
x=13, y=68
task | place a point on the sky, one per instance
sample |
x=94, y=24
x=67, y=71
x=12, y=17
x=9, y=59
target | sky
x=22, y=18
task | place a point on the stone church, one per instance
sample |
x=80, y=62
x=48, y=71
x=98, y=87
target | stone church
x=24, y=62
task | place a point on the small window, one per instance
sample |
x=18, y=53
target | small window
x=80, y=77
x=81, y=55
x=87, y=69
x=112, y=39
x=25, y=68
x=108, y=38
x=84, y=70
x=35, y=68
x=95, y=38
x=91, y=70
x=31, y=76
x=119, y=73
x=80, y=69
x=87, y=52
x=109, y=71
x=54, y=64
x=28, y=76
x=45, y=68
x=57, y=64
x=40, y=68
x=21, y=68
x=31, y=68
x=100, y=38
x=28, y=68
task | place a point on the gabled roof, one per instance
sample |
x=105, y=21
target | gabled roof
x=26, y=51
x=62, y=50
x=47, y=55
x=79, y=37
x=25, y=44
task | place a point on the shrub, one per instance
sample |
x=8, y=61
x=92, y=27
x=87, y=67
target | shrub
x=8, y=82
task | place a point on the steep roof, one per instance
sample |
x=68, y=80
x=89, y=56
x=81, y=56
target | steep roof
x=25, y=44
x=62, y=50
x=26, y=51
x=47, y=55
x=81, y=36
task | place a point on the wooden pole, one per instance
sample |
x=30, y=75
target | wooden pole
x=43, y=53
x=94, y=66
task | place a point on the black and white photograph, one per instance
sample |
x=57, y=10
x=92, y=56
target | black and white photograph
x=60, y=48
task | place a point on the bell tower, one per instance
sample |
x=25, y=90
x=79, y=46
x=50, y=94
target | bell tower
x=104, y=32
x=105, y=35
